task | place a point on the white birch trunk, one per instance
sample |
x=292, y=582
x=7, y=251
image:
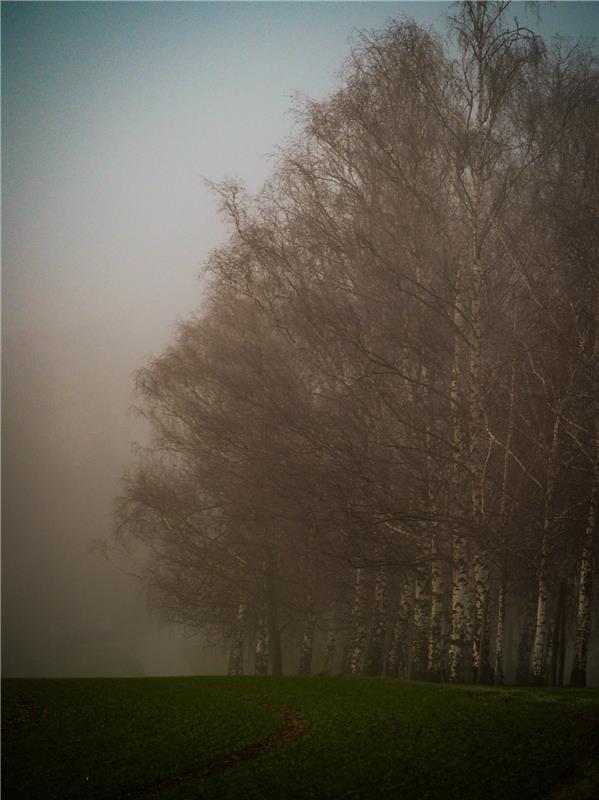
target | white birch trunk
x=481, y=597
x=461, y=622
x=585, y=581
x=434, y=656
x=539, y=650
x=435, y=638
x=498, y=668
x=540, y=640
x=359, y=629
x=236, y=655
x=460, y=589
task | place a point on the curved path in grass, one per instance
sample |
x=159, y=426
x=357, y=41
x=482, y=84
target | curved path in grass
x=293, y=726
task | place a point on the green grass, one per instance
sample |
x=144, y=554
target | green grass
x=367, y=738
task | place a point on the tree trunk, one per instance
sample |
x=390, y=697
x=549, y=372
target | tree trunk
x=419, y=628
x=561, y=658
x=435, y=638
x=331, y=645
x=585, y=582
x=558, y=630
x=539, y=650
x=262, y=647
x=540, y=641
x=480, y=648
x=236, y=655
x=498, y=673
x=526, y=640
x=307, y=643
x=276, y=652
x=358, y=627
x=374, y=660
x=397, y=658
x=460, y=636
x=461, y=623
x=307, y=646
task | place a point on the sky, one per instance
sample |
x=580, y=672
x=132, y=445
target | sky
x=113, y=116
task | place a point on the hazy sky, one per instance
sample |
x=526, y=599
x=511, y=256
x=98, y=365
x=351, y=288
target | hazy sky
x=112, y=115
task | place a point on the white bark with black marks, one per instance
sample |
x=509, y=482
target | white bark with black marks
x=585, y=580
x=435, y=637
x=539, y=649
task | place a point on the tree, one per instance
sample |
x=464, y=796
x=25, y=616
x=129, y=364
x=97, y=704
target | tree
x=380, y=429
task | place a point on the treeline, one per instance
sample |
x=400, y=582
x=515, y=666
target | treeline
x=376, y=448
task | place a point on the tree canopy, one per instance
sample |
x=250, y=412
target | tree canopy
x=377, y=443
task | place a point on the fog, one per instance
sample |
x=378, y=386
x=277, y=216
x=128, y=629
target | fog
x=113, y=114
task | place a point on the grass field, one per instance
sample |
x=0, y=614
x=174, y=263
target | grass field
x=365, y=738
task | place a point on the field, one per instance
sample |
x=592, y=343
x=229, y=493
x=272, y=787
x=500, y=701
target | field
x=183, y=738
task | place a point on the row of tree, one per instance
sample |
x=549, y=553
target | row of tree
x=377, y=444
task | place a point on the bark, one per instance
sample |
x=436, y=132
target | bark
x=274, y=634
x=307, y=646
x=331, y=645
x=460, y=645
x=418, y=649
x=358, y=626
x=558, y=634
x=480, y=648
x=262, y=647
x=307, y=642
x=276, y=650
x=498, y=669
x=539, y=651
x=435, y=639
x=460, y=636
x=476, y=190
x=397, y=658
x=526, y=640
x=435, y=632
x=561, y=656
x=585, y=582
x=498, y=673
x=540, y=639
x=236, y=655
x=374, y=660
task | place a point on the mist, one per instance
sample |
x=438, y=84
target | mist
x=113, y=116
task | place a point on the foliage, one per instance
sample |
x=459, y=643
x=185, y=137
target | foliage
x=393, y=380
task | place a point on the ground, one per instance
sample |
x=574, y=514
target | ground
x=297, y=738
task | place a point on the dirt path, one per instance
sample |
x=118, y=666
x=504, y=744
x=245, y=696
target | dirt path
x=293, y=726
